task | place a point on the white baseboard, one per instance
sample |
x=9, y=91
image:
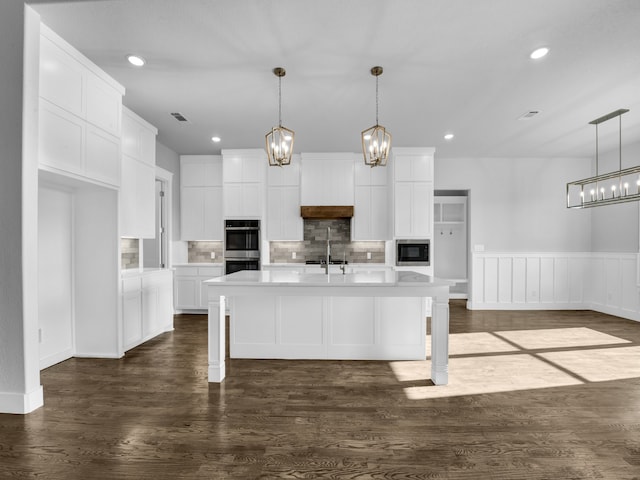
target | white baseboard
x=526, y=306
x=21, y=403
x=615, y=311
x=51, y=360
x=97, y=355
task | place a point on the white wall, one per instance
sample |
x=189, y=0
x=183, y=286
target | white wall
x=615, y=227
x=519, y=204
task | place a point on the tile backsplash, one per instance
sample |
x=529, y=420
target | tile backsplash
x=314, y=245
x=129, y=253
x=200, y=252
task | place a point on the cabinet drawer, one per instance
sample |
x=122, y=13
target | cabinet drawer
x=210, y=272
x=186, y=271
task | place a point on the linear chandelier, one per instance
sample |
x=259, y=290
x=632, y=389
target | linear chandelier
x=608, y=188
x=376, y=140
x=279, y=139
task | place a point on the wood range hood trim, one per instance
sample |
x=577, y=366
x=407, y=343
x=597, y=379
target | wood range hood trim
x=326, y=211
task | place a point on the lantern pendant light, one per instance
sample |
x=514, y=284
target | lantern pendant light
x=376, y=141
x=279, y=139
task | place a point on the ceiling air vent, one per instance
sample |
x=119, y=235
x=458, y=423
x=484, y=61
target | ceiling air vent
x=528, y=115
x=179, y=117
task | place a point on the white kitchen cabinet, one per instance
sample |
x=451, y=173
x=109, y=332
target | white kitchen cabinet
x=201, y=197
x=243, y=183
x=190, y=292
x=371, y=203
x=413, y=210
x=413, y=192
x=80, y=114
x=327, y=179
x=137, y=192
x=147, y=305
x=284, y=222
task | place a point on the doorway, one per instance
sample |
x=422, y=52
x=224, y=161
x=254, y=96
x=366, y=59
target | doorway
x=156, y=251
x=451, y=239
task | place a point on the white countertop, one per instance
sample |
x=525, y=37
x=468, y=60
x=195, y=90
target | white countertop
x=261, y=278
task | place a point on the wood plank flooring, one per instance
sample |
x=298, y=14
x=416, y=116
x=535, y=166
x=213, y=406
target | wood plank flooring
x=153, y=415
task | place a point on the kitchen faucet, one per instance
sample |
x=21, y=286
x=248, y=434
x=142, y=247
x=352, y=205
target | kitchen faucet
x=326, y=265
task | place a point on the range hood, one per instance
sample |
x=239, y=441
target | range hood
x=326, y=211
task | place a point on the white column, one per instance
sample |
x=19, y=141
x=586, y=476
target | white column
x=20, y=389
x=217, y=340
x=440, y=337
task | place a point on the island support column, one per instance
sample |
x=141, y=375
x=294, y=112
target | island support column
x=440, y=337
x=217, y=354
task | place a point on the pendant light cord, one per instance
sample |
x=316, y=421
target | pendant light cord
x=376, y=99
x=279, y=101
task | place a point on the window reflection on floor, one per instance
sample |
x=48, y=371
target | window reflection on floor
x=491, y=362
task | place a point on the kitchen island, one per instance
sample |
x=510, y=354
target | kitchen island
x=378, y=315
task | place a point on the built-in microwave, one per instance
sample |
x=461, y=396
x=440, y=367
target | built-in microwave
x=413, y=253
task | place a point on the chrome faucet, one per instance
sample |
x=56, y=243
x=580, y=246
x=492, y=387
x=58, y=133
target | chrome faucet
x=326, y=265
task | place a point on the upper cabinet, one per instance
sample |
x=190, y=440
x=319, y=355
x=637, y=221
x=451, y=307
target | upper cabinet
x=371, y=211
x=413, y=192
x=283, y=202
x=327, y=179
x=80, y=114
x=137, y=192
x=201, y=197
x=243, y=183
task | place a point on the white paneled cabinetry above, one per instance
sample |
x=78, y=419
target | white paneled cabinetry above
x=137, y=193
x=327, y=179
x=371, y=200
x=80, y=114
x=283, y=202
x=413, y=192
x=201, y=197
x=243, y=179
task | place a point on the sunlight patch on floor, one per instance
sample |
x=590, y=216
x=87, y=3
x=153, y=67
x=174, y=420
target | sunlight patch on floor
x=599, y=365
x=487, y=374
x=474, y=343
x=559, y=338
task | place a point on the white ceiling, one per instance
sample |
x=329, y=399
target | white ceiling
x=449, y=65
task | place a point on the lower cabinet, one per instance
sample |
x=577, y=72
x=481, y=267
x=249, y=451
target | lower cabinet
x=190, y=292
x=147, y=306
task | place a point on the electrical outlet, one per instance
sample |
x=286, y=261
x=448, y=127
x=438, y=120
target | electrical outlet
x=368, y=255
x=213, y=255
x=293, y=255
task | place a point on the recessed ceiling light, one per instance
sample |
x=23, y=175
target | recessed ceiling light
x=449, y=136
x=136, y=60
x=215, y=139
x=539, y=53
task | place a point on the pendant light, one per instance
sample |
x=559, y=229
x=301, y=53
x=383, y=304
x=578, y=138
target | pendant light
x=376, y=141
x=618, y=186
x=280, y=139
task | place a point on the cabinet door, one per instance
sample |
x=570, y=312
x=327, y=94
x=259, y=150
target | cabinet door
x=192, y=213
x=402, y=209
x=362, y=213
x=252, y=203
x=146, y=200
x=422, y=210
x=104, y=105
x=232, y=202
x=339, y=182
x=102, y=156
x=132, y=318
x=312, y=182
x=149, y=310
x=379, y=213
x=61, y=78
x=187, y=292
x=61, y=139
x=212, y=214
x=283, y=218
x=128, y=197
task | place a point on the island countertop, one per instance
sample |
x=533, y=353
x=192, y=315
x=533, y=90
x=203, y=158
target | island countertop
x=262, y=278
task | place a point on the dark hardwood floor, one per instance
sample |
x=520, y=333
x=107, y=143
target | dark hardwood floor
x=153, y=415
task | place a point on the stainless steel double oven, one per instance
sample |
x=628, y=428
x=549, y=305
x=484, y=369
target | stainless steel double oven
x=241, y=245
